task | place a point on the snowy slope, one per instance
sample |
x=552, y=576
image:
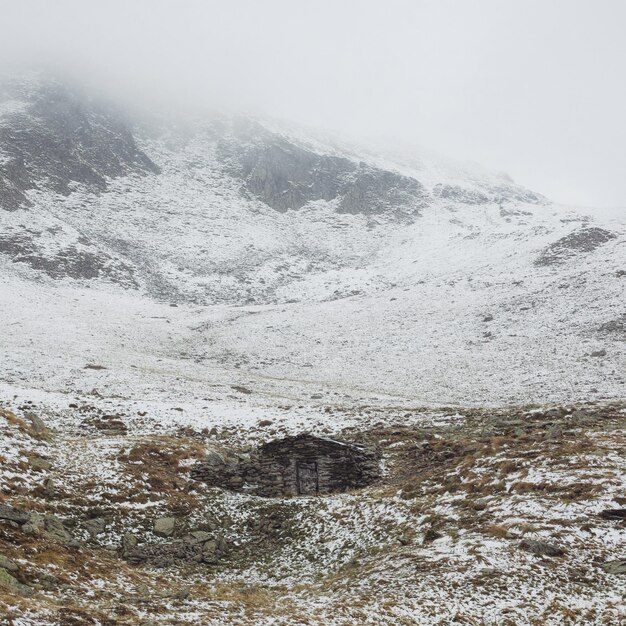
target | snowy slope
x=395, y=279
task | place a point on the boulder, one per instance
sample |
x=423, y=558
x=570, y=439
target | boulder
x=129, y=543
x=35, y=524
x=615, y=567
x=95, y=526
x=164, y=526
x=10, y=582
x=619, y=514
x=37, y=423
x=12, y=514
x=55, y=530
x=7, y=564
x=541, y=548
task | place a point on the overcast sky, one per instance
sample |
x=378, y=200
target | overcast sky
x=536, y=88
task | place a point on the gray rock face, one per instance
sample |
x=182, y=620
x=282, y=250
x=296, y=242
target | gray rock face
x=459, y=194
x=286, y=176
x=490, y=193
x=58, y=138
x=580, y=241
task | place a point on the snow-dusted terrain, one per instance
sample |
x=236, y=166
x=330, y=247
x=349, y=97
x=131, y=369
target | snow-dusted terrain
x=451, y=304
x=226, y=273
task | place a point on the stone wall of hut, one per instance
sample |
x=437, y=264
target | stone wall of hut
x=302, y=465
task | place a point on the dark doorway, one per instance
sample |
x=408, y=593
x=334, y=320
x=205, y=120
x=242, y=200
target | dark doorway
x=307, y=477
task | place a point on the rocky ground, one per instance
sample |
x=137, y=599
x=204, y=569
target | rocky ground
x=501, y=516
x=172, y=288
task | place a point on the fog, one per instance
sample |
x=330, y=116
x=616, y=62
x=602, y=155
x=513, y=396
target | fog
x=532, y=87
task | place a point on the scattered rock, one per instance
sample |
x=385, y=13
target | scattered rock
x=191, y=549
x=93, y=366
x=95, y=526
x=598, y=353
x=107, y=424
x=541, y=548
x=583, y=240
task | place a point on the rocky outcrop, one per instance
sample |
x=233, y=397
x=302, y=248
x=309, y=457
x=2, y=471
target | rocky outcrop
x=581, y=241
x=52, y=137
x=76, y=261
x=460, y=194
x=286, y=176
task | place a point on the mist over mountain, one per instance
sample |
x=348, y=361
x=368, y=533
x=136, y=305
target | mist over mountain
x=226, y=210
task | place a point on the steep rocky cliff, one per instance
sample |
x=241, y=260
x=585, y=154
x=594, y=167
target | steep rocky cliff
x=52, y=138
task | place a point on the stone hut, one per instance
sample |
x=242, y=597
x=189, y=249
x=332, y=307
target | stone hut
x=300, y=465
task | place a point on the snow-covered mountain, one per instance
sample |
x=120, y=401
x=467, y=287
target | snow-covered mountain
x=294, y=262
x=174, y=293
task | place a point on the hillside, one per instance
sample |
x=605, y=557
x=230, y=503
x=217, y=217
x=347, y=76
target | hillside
x=176, y=289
